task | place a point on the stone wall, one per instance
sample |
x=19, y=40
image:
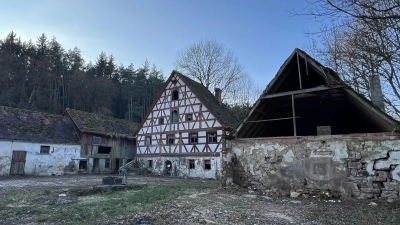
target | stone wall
x=359, y=165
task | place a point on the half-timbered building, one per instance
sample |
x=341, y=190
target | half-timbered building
x=183, y=132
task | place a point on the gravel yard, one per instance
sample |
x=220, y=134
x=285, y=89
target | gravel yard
x=209, y=205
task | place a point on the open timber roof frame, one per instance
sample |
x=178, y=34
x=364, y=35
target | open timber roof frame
x=332, y=82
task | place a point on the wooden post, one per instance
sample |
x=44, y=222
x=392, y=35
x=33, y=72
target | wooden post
x=298, y=68
x=294, y=117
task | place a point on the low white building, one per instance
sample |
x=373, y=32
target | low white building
x=35, y=143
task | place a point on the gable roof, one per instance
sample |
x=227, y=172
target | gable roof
x=316, y=96
x=220, y=111
x=102, y=125
x=30, y=126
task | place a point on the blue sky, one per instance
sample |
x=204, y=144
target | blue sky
x=260, y=32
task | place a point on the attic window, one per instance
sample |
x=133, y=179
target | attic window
x=161, y=120
x=44, y=149
x=174, y=116
x=175, y=95
x=96, y=140
x=189, y=117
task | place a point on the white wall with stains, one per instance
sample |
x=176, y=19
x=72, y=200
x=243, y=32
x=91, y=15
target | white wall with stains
x=62, y=158
x=180, y=166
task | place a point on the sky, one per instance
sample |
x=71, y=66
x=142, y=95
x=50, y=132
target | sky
x=261, y=33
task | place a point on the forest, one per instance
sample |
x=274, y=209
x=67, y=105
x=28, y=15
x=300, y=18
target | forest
x=43, y=76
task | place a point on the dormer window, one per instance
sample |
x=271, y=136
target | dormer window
x=175, y=95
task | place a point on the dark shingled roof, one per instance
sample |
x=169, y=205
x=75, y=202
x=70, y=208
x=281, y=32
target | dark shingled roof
x=220, y=111
x=30, y=126
x=104, y=125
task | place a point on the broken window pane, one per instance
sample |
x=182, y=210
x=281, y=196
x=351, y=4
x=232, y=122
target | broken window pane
x=171, y=139
x=175, y=116
x=148, y=141
x=207, y=164
x=191, y=163
x=212, y=137
x=175, y=95
x=193, y=138
x=107, y=163
x=44, y=149
x=96, y=140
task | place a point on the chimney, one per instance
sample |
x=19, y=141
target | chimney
x=218, y=93
x=375, y=90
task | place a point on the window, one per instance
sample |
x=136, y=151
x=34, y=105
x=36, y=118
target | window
x=171, y=139
x=175, y=95
x=161, y=120
x=207, y=164
x=189, y=117
x=44, y=149
x=106, y=163
x=212, y=137
x=193, y=138
x=104, y=150
x=96, y=140
x=191, y=163
x=150, y=163
x=174, y=116
x=148, y=141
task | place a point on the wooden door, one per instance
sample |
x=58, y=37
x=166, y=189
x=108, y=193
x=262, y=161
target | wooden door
x=18, y=162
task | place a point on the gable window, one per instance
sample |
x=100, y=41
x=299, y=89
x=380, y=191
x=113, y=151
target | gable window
x=175, y=95
x=44, y=149
x=174, y=116
x=96, y=140
x=189, y=117
x=107, y=163
x=148, y=141
x=207, y=164
x=171, y=139
x=149, y=163
x=212, y=137
x=191, y=163
x=161, y=120
x=193, y=138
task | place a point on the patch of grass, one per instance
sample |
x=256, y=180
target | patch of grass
x=33, y=205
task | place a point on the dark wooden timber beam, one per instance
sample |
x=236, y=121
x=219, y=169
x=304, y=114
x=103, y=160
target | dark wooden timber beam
x=257, y=121
x=289, y=93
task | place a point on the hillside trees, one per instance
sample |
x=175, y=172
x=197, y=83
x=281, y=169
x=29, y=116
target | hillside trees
x=361, y=40
x=43, y=76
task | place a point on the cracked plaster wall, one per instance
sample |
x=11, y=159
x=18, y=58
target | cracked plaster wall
x=62, y=158
x=180, y=166
x=362, y=167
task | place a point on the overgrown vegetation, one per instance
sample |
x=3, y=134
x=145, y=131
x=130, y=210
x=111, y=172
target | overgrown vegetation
x=23, y=206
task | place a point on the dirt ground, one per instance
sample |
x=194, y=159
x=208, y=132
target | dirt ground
x=232, y=205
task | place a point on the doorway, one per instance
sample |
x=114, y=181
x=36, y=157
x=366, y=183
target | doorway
x=116, y=165
x=168, y=168
x=18, y=162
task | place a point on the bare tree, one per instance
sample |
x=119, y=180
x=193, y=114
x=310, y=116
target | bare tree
x=361, y=39
x=211, y=64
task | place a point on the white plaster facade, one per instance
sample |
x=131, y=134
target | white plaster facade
x=60, y=156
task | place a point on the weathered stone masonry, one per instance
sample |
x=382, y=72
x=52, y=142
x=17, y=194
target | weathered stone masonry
x=359, y=165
